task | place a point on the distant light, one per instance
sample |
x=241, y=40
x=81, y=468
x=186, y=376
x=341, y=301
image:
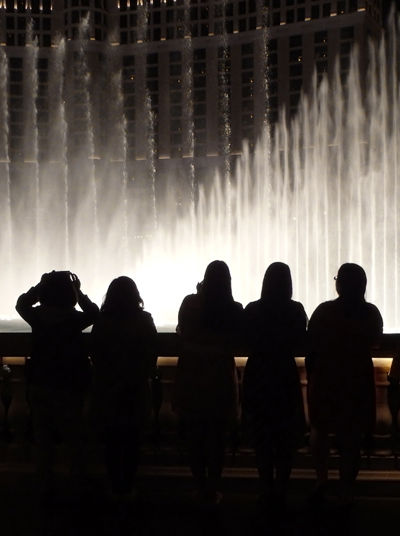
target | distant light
x=361, y=9
x=282, y=23
x=307, y=19
x=333, y=14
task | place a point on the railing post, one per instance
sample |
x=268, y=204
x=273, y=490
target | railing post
x=6, y=396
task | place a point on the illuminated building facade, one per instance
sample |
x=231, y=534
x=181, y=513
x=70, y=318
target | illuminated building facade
x=206, y=74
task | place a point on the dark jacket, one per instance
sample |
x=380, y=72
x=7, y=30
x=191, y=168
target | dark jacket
x=124, y=355
x=59, y=357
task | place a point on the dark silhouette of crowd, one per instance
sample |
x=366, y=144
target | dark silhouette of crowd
x=338, y=343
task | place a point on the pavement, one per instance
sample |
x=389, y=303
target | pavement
x=165, y=505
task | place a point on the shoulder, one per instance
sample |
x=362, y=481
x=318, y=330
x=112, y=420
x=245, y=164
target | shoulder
x=191, y=302
x=325, y=307
x=296, y=305
x=145, y=315
x=237, y=313
x=237, y=306
x=324, y=310
x=297, y=309
x=253, y=309
x=190, y=299
x=146, y=318
x=252, y=306
x=372, y=309
x=373, y=312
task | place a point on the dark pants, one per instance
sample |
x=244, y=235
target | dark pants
x=122, y=443
x=56, y=413
x=206, y=440
x=274, y=445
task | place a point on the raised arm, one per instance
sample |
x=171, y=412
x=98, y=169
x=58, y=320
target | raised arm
x=25, y=303
x=90, y=310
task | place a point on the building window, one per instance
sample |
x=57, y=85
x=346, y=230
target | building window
x=315, y=12
x=326, y=10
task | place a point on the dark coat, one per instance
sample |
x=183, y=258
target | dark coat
x=206, y=378
x=341, y=389
x=123, y=354
x=59, y=358
x=271, y=386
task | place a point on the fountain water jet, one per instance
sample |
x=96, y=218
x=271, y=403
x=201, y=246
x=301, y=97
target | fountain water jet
x=318, y=191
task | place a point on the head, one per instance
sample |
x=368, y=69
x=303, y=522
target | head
x=56, y=289
x=122, y=297
x=351, y=282
x=217, y=282
x=277, y=283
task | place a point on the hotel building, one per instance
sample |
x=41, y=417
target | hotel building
x=200, y=75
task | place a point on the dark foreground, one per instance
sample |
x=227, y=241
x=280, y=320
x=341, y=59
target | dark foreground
x=166, y=505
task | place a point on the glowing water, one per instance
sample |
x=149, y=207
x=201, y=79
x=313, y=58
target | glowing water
x=318, y=192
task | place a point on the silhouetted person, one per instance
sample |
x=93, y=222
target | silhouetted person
x=272, y=399
x=58, y=372
x=206, y=378
x=123, y=352
x=341, y=389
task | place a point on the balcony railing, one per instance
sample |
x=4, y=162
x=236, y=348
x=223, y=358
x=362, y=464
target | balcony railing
x=14, y=409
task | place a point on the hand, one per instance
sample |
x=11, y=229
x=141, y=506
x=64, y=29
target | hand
x=38, y=287
x=75, y=282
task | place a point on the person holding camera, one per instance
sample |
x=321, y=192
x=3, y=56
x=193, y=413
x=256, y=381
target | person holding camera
x=58, y=371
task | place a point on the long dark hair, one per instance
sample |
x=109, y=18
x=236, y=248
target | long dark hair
x=277, y=283
x=122, y=297
x=216, y=290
